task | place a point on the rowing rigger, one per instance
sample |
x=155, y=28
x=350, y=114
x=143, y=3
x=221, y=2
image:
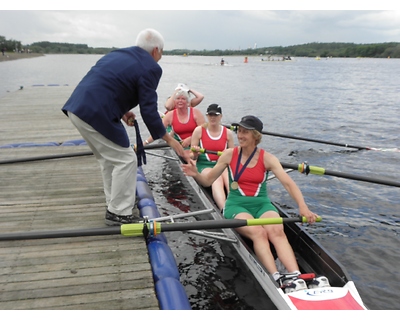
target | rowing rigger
x=149, y=228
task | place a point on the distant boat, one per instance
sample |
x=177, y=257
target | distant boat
x=225, y=64
x=282, y=59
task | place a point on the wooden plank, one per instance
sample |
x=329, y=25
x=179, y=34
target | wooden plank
x=100, y=272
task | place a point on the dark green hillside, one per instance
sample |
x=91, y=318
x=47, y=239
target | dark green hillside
x=333, y=49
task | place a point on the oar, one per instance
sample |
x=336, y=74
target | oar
x=70, y=155
x=202, y=150
x=345, y=145
x=162, y=156
x=149, y=228
x=306, y=169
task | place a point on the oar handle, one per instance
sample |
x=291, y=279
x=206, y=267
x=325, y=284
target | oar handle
x=265, y=221
x=202, y=150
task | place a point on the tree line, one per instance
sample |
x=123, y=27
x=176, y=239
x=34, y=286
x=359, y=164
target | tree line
x=333, y=49
x=46, y=47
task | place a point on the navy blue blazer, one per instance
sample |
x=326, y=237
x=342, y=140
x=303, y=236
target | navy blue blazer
x=118, y=82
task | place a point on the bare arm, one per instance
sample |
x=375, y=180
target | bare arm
x=198, y=97
x=199, y=118
x=195, y=141
x=176, y=146
x=272, y=162
x=231, y=141
x=170, y=103
x=196, y=100
x=166, y=120
x=207, y=179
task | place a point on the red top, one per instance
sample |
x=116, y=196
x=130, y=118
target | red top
x=252, y=181
x=214, y=144
x=183, y=130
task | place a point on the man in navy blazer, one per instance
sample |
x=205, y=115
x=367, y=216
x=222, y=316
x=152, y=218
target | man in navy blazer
x=118, y=82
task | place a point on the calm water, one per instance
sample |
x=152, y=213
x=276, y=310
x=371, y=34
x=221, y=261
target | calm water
x=353, y=101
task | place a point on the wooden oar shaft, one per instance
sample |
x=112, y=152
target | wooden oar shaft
x=140, y=229
x=71, y=155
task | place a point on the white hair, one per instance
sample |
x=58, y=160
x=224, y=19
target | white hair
x=182, y=93
x=149, y=39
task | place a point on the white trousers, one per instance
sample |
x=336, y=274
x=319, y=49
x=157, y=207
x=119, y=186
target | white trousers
x=118, y=167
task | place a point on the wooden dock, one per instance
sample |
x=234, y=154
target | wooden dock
x=81, y=273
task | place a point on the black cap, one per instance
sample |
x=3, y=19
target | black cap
x=214, y=109
x=250, y=123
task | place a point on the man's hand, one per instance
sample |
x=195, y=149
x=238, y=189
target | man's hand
x=129, y=118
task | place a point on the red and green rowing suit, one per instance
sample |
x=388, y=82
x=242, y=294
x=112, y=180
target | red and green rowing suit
x=207, y=160
x=251, y=196
x=183, y=130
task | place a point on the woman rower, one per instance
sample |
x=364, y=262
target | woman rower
x=183, y=119
x=248, y=168
x=194, y=101
x=215, y=137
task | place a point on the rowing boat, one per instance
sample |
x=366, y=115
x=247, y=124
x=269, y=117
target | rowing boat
x=313, y=259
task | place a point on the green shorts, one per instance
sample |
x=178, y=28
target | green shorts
x=256, y=206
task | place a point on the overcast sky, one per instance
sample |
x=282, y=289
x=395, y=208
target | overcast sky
x=203, y=28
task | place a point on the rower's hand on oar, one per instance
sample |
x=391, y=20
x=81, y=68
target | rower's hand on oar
x=195, y=151
x=186, y=142
x=308, y=214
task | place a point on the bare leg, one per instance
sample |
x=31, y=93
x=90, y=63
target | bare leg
x=218, y=190
x=260, y=240
x=277, y=237
x=262, y=235
x=225, y=178
x=283, y=248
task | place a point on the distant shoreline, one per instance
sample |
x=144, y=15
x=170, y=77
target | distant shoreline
x=8, y=56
